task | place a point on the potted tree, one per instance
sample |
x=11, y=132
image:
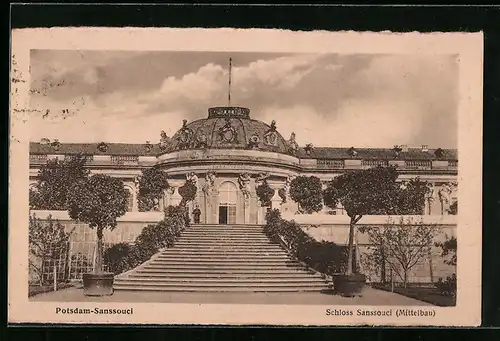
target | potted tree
x=265, y=193
x=188, y=193
x=98, y=201
x=361, y=192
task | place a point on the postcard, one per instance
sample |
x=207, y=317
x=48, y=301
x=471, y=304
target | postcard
x=245, y=177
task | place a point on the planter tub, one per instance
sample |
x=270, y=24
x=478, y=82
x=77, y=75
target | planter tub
x=349, y=285
x=98, y=284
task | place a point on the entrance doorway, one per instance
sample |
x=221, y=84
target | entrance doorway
x=227, y=214
x=228, y=194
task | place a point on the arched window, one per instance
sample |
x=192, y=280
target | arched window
x=130, y=199
x=228, y=194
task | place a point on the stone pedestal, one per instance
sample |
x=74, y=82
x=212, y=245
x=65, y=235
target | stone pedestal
x=175, y=198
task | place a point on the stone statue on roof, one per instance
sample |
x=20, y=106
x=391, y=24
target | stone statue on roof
x=271, y=136
x=185, y=135
x=292, y=145
x=164, y=140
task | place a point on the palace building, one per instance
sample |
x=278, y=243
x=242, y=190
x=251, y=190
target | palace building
x=227, y=154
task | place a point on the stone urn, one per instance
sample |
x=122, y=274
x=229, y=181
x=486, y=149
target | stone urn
x=98, y=284
x=349, y=285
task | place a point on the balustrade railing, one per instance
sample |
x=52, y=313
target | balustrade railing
x=120, y=159
x=374, y=163
x=87, y=158
x=418, y=164
x=38, y=158
x=330, y=163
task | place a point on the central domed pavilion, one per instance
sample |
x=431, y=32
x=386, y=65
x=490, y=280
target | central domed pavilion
x=227, y=155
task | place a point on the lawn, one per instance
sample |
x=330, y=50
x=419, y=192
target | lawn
x=425, y=294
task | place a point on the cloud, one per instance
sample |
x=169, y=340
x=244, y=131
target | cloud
x=358, y=124
x=328, y=100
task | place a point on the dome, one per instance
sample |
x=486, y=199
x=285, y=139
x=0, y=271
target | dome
x=230, y=128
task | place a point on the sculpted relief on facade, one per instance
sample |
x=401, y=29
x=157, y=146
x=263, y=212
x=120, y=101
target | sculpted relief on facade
x=209, y=185
x=271, y=136
x=227, y=133
x=284, y=192
x=244, y=184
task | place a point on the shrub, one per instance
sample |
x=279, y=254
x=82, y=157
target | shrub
x=324, y=257
x=447, y=287
x=118, y=257
x=123, y=257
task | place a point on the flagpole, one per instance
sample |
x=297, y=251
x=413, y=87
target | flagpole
x=229, y=88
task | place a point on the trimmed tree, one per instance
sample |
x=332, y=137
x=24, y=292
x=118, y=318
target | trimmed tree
x=152, y=184
x=369, y=191
x=265, y=193
x=307, y=192
x=98, y=201
x=187, y=192
x=55, y=179
x=412, y=197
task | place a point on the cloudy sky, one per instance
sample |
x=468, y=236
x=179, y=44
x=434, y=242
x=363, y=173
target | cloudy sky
x=327, y=100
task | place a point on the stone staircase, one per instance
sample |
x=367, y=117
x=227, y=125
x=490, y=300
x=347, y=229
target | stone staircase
x=221, y=258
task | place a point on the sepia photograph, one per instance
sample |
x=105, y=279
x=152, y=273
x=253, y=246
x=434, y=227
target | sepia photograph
x=324, y=180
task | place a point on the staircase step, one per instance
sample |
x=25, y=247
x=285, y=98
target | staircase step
x=218, y=271
x=226, y=245
x=242, y=276
x=223, y=260
x=145, y=283
x=221, y=281
x=226, y=226
x=219, y=256
x=219, y=289
x=223, y=243
x=228, y=251
x=224, y=240
x=220, y=266
x=214, y=235
x=222, y=231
